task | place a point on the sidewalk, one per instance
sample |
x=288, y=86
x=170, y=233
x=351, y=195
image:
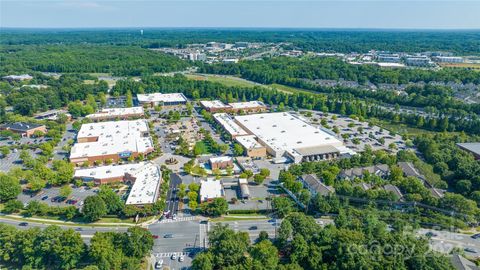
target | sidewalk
x=71, y=223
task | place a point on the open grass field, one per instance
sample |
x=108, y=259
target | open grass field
x=223, y=79
x=474, y=66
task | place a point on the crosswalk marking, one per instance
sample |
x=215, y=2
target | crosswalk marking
x=179, y=219
x=169, y=254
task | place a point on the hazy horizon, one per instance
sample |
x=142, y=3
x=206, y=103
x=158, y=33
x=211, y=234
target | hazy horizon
x=272, y=14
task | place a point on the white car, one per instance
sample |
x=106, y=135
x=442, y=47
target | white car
x=159, y=264
x=181, y=258
x=174, y=256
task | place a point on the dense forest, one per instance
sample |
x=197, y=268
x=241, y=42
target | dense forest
x=117, y=60
x=461, y=42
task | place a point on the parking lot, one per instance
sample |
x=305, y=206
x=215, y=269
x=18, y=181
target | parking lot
x=356, y=134
x=13, y=160
x=78, y=194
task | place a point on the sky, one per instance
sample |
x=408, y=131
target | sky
x=411, y=14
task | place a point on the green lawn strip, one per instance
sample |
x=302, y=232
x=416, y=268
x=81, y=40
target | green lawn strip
x=57, y=221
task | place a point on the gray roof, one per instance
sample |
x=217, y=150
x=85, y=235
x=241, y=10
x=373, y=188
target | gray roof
x=471, y=147
x=20, y=126
x=363, y=185
x=409, y=170
x=317, y=150
x=460, y=263
x=315, y=184
x=393, y=189
x=380, y=169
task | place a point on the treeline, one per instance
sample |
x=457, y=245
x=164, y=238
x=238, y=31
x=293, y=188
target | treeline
x=282, y=69
x=458, y=168
x=56, y=248
x=357, y=240
x=344, y=104
x=117, y=60
x=463, y=42
x=301, y=73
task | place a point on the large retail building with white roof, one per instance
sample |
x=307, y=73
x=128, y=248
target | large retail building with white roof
x=283, y=135
x=111, y=141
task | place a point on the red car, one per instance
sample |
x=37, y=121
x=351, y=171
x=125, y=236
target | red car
x=154, y=236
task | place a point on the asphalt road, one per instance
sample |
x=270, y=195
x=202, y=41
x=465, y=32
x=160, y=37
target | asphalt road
x=172, y=202
x=445, y=241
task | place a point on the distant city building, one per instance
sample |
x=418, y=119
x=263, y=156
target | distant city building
x=388, y=58
x=24, y=129
x=473, y=148
x=155, y=99
x=117, y=113
x=211, y=189
x=418, y=61
x=111, y=141
x=22, y=77
x=449, y=59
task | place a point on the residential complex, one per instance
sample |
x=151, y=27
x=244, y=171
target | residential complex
x=117, y=113
x=111, y=141
x=155, y=99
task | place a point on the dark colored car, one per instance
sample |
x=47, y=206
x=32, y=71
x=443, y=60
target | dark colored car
x=169, y=235
x=23, y=224
x=253, y=228
x=44, y=198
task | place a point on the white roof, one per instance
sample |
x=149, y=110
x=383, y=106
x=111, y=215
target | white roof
x=229, y=125
x=283, y=131
x=144, y=190
x=214, y=104
x=146, y=187
x=247, y=105
x=159, y=97
x=114, y=112
x=386, y=64
x=220, y=159
x=114, y=137
x=104, y=172
x=210, y=189
x=249, y=142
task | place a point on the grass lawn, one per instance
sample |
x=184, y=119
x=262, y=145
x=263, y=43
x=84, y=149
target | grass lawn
x=225, y=80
